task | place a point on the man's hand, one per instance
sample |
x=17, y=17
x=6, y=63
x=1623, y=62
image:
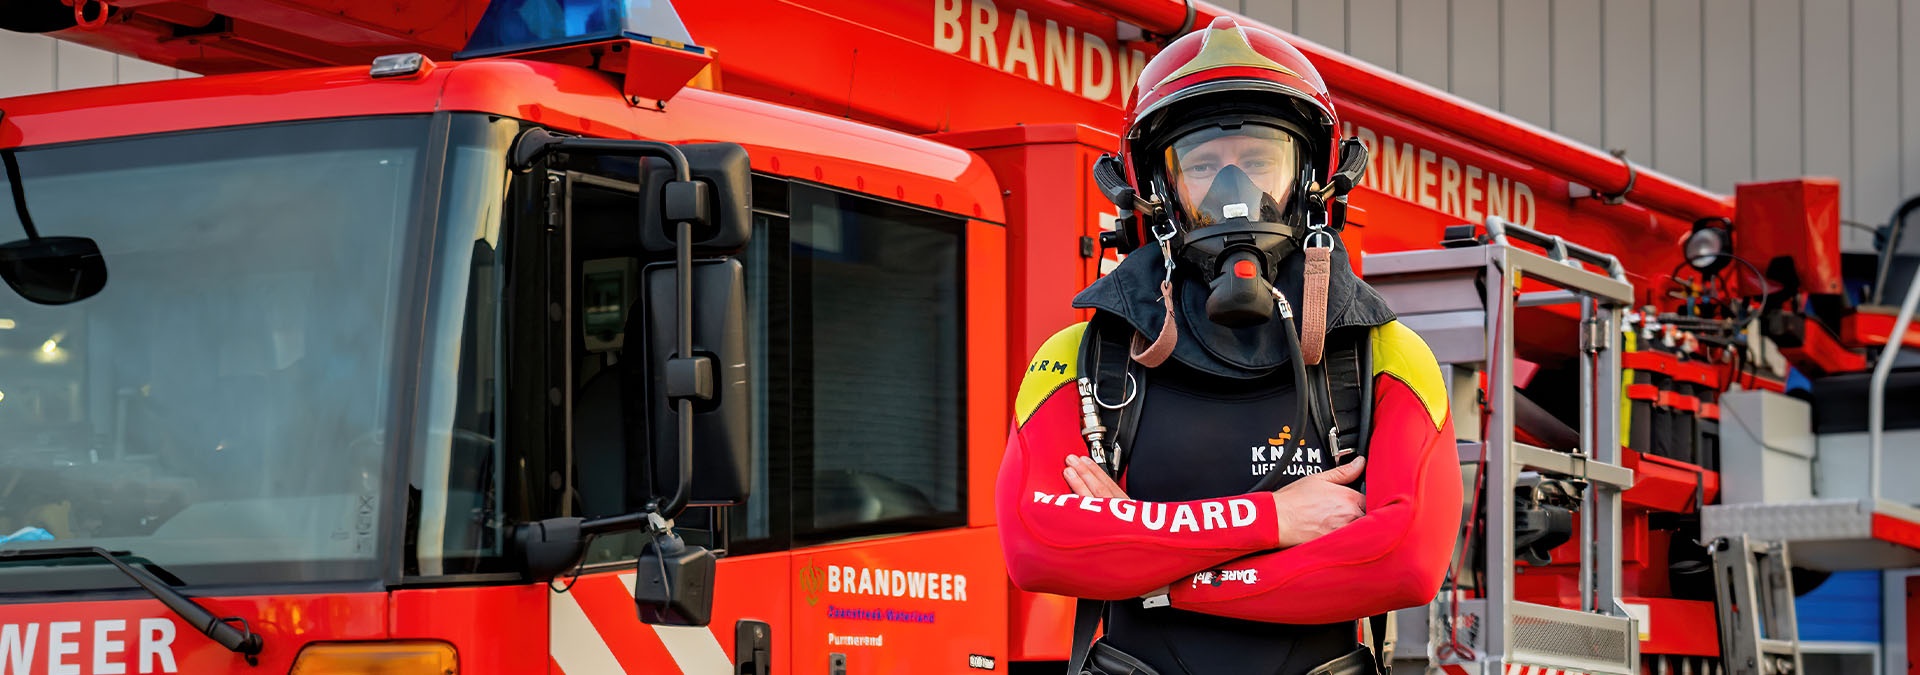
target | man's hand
x=1319, y=503
x=1089, y=480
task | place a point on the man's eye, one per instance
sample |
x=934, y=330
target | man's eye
x=1259, y=165
x=1202, y=169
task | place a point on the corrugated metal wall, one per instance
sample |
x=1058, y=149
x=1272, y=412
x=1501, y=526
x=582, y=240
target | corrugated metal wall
x=1709, y=91
x=31, y=64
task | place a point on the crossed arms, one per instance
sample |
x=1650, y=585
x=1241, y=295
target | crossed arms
x=1241, y=556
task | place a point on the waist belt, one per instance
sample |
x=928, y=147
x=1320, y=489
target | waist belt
x=1356, y=662
x=1105, y=659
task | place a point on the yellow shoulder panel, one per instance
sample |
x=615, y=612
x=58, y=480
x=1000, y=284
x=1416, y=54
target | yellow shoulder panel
x=1053, y=367
x=1398, y=351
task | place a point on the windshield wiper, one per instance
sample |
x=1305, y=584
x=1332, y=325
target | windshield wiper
x=238, y=640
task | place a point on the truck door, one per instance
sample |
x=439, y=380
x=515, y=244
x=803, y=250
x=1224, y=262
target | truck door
x=871, y=315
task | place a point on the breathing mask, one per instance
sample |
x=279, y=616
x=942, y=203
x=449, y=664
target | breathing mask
x=1236, y=211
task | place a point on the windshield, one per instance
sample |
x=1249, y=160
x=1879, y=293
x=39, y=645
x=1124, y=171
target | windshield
x=221, y=407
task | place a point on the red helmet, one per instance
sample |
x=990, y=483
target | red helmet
x=1209, y=84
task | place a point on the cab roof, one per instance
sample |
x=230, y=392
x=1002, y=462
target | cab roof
x=780, y=140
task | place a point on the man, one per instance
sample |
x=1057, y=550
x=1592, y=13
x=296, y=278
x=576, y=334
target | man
x=1165, y=457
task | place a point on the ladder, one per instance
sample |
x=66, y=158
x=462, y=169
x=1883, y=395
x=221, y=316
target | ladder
x=1758, y=631
x=1462, y=301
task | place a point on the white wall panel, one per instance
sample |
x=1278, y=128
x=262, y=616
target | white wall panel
x=1826, y=136
x=1322, y=21
x=1423, y=41
x=136, y=70
x=30, y=65
x=1276, y=13
x=1678, y=124
x=1474, y=71
x=1776, y=89
x=1576, y=70
x=1727, y=94
x=1526, y=60
x=1909, y=99
x=1626, y=77
x=77, y=66
x=1373, y=31
x=1875, y=185
x=34, y=64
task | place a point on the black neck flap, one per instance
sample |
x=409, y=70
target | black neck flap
x=1132, y=293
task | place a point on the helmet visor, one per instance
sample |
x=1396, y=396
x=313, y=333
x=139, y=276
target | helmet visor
x=1245, y=171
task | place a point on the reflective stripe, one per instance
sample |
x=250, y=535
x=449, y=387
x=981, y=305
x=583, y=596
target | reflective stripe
x=694, y=648
x=574, y=643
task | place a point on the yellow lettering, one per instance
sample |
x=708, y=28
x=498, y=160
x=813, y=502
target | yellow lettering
x=1059, y=54
x=1399, y=169
x=1450, y=187
x=1090, y=46
x=947, y=34
x=1497, y=205
x=1474, y=213
x=1130, y=68
x=1427, y=179
x=1522, y=204
x=986, y=19
x=1020, y=45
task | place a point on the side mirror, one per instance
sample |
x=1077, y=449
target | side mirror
x=719, y=202
x=53, y=270
x=720, y=421
x=695, y=197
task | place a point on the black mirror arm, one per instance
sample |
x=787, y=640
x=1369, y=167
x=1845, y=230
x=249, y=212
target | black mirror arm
x=19, y=194
x=688, y=376
x=536, y=144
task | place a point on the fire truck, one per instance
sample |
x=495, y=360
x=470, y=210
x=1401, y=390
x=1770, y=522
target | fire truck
x=524, y=336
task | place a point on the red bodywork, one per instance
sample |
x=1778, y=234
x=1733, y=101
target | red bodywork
x=991, y=111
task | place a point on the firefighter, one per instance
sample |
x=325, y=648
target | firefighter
x=1242, y=456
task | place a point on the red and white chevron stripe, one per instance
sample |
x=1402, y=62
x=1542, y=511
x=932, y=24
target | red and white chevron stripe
x=595, y=631
x=1512, y=669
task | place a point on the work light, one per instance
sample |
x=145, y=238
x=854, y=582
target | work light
x=1709, y=248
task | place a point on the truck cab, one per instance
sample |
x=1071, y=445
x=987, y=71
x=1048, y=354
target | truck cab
x=346, y=351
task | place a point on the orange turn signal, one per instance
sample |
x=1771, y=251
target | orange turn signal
x=377, y=658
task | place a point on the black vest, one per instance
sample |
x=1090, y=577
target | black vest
x=1202, y=436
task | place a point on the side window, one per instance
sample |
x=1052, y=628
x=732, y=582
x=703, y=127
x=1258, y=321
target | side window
x=877, y=393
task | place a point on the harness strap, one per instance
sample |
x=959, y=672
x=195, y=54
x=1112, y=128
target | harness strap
x=1313, y=319
x=1380, y=641
x=1152, y=355
x=1086, y=618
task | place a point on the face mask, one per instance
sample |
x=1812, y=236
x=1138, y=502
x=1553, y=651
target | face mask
x=1237, y=244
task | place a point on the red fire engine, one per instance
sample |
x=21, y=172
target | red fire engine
x=597, y=337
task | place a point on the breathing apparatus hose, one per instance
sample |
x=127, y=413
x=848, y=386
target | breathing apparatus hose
x=1303, y=414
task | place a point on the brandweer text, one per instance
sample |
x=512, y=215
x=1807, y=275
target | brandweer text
x=895, y=583
x=1064, y=57
x=117, y=650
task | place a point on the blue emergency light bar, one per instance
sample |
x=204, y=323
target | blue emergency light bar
x=519, y=26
